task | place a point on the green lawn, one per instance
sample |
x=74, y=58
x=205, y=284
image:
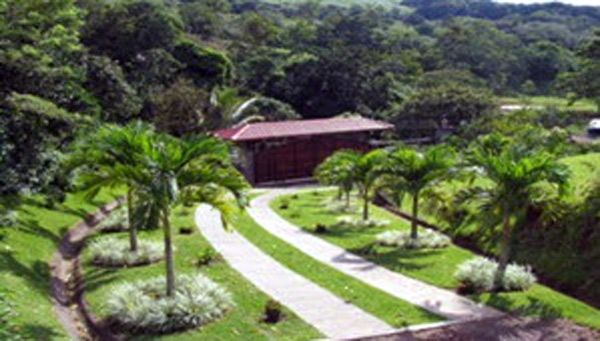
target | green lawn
x=241, y=323
x=560, y=103
x=388, y=308
x=432, y=266
x=25, y=252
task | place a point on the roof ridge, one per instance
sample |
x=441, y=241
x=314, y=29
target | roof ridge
x=240, y=131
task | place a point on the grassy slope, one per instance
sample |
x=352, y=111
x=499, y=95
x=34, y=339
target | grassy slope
x=242, y=322
x=432, y=266
x=560, y=103
x=25, y=253
x=394, y=311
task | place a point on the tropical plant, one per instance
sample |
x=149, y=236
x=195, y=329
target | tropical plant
x=140, y=308
x=113, y=252
x=516, y=176
x=179, y=171
x=102, y=158
x=356, y=170
x=429, y=239
x=478, y=274
x=408, y=171
x=338, y=170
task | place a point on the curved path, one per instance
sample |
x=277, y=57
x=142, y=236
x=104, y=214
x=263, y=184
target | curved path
x=329, y=314
x=438, y=301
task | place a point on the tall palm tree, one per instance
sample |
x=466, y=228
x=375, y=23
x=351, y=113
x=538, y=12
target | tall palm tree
x=102, y=157
x=338, y=170
x=518, y=176
x=178, y=171
x=408, y=171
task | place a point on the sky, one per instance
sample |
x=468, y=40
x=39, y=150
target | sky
x=572, y=2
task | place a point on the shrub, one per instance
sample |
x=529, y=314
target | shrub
x=142, y=306
x=337, y=206
x=8, y=218
x=109, y=251
x=349, y=222
x=206, y=257
x=285, y=204
x=320, y=229
x=427, y=239
x=273, y=312
x=186, y=230
x=477, y=274
x=116, y=221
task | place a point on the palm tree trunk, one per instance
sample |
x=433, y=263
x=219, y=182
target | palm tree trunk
x=133, y=245
x=347, y=199
x=169, y=253
x=504, y=253
x=414, y=226
x=366, y=204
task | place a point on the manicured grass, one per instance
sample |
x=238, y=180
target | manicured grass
x=25, y=252
x=560, y=103
x=432, y=266
x=388, y=308
x=243, y=322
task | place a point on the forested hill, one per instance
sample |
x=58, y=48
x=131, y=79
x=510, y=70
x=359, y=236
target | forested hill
x=188, y=65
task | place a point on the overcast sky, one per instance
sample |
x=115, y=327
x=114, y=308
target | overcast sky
x=573, y=2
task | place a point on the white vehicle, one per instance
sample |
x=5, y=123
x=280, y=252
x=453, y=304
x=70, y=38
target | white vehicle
x=594, y=127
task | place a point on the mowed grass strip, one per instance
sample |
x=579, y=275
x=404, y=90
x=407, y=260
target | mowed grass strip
x=388, y=308
x=309, y=208
x=243, y=322
x=26, y=250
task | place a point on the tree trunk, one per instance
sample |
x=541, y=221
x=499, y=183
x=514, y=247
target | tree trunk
x=347, y=199
x=414, y=226
x=133, y=245
x=504, y=253
x=169, y=254
x=366, y=205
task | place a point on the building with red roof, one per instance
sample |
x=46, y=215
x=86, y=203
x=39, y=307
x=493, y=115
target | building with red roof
x=291, y=150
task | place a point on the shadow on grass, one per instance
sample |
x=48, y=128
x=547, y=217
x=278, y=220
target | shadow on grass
x=400, y=260
x=533, y=307
x=96, y=278
x=37, y=275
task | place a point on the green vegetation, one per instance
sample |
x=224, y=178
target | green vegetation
x=25, y=252
x=242, y=321
x=388, y=308
x=435, y=266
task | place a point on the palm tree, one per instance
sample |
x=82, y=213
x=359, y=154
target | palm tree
x=518, y=176
x=178, y=171
x=338, y=170
x=408, y=171
x=102, y=157
x=367, y=169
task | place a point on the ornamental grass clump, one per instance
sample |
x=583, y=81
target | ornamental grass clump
x=337, y=206
x=116, y=221
x=477, y=275
x=143, y=307
x=427, y=239
x=350, y=222
x=110, y=251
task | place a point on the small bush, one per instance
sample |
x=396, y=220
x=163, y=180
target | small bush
x=109, y=251
x=285, y=204
x=8, y=218
x=186, y=230
x=320, y=229
x=295, y=197
x=477, y=274
x=349, y=222
x=206, y=257
x=337, y=206
x=142, y=306
x=427, y=239
x=273, y=312
x=116, y=221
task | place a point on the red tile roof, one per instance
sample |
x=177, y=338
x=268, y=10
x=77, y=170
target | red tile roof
x=272, y=130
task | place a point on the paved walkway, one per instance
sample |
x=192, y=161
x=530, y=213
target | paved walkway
x=439, y=301
x=326, y=312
